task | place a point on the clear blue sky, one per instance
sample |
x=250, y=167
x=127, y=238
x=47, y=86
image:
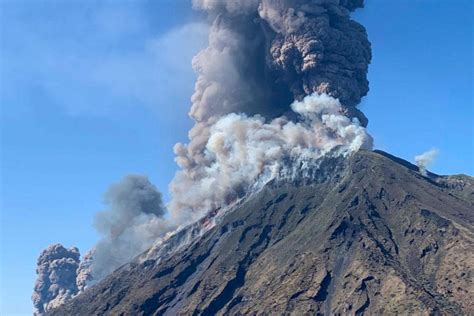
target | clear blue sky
x=94, y=90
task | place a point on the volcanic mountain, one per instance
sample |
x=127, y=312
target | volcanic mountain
x=367, y=234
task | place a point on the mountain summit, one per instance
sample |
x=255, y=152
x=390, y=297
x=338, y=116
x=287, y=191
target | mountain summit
x=368, y=235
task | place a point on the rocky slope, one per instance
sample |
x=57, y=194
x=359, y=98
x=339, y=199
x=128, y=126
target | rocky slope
x=367, y=235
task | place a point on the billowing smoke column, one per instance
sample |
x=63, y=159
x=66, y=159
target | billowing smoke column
x=56, y=281
x=262, y=56
x=84, y=272
x=277, y=89
x=132, y=223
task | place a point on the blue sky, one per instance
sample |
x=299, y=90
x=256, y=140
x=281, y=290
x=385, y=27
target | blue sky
x=93, y=90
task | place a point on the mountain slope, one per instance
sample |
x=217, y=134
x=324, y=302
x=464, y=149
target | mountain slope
x=368, y=235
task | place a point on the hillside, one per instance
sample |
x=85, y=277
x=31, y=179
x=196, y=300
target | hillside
x=367, y=235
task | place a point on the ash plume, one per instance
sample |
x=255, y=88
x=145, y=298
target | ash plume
x=133, y=221
x=277, y=88
x=424, y=160
x=263, y=56
x=56, y=281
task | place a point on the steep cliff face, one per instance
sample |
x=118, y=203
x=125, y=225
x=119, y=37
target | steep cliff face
x=369, y=235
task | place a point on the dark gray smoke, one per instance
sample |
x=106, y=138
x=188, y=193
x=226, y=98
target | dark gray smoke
x=56, y=282
x=130, y=225
x=263, y=56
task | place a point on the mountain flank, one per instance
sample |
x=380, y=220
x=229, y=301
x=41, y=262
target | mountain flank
x=367, y=235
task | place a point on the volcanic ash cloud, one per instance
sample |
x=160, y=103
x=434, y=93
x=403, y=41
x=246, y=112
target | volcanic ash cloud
x=277, y=87
x=264, y=55
x=56, y=282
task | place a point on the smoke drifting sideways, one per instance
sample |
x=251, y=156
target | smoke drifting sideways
x=426, y=159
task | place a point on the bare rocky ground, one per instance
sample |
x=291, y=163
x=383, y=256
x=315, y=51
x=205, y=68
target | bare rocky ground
x=368, y=236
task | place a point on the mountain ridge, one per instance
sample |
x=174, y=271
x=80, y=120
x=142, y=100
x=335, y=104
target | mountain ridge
x=371, y=236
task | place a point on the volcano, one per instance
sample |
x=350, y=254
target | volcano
x=368, y=234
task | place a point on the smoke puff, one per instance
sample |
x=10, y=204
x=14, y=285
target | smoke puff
x=134, y=220
x=128, y=199
x=56, y=281
x=84, y=271
x=424, y=160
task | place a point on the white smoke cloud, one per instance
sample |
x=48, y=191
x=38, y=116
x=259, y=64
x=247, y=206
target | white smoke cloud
x=426, y=159
x=241, y=149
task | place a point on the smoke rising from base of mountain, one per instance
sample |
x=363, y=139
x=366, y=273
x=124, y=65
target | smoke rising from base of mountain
x=242, y=154
x=130, y=225
x=426, y=159
x=56, y=282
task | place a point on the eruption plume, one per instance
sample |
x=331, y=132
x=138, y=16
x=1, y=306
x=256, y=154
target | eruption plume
x=263, y=56
x=277, y=88
x=132, y=223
